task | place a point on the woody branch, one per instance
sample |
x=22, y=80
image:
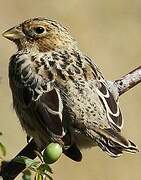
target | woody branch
x=128, y=81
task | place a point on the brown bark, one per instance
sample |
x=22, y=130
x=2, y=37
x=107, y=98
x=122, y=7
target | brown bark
x=128, y=81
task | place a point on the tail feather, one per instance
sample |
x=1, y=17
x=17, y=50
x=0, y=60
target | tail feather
x=110, y=150
x=114, y=143
x=132, y=148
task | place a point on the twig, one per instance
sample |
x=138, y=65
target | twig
x=11, y=169
x=128, y=81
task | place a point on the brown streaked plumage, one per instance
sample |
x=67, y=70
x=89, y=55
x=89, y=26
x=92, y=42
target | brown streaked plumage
x=60, y=95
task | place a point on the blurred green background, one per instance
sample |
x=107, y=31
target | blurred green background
x=110, y=33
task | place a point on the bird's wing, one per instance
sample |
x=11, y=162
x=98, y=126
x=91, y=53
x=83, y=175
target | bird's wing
x=106, y=97
x=111, y=107
x=50, y=108
x=46, y=107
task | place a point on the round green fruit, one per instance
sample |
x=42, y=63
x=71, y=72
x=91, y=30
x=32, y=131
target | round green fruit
x=52, y=153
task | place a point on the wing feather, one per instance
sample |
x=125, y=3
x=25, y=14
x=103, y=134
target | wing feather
x=50, y=107
x=111, y=107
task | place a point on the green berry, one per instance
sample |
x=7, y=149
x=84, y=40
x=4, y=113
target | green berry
x=52, y=153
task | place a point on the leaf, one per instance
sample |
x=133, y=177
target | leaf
x=2, y=149
x=27, y=161
x=26, y=175
x=33, y=168
x=45, y=167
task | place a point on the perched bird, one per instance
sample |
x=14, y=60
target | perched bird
x=60, y=95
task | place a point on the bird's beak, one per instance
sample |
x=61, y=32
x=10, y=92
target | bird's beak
x=13, y=34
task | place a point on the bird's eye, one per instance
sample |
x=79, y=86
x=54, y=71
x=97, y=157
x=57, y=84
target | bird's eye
x=39, y=30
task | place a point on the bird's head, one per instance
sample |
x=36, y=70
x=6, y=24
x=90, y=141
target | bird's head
x=40, y=34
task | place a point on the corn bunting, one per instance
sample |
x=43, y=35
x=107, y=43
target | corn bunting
x=60, y=95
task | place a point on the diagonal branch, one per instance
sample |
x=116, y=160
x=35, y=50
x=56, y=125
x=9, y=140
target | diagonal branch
x=128, y=81
x=11, y=169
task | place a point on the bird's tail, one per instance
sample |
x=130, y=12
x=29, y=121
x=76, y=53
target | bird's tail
x=113, y=143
